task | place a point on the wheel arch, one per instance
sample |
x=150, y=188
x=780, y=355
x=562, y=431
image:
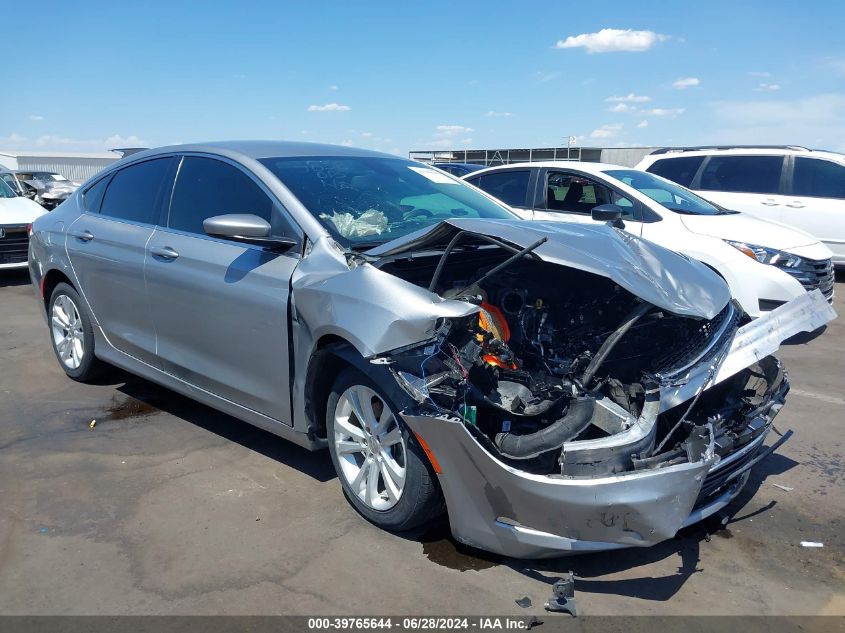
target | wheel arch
x=50, y=280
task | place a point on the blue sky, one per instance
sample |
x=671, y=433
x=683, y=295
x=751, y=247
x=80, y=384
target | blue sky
x=423, y=75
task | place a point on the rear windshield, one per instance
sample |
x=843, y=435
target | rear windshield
x=666, y=193
x=364, y=201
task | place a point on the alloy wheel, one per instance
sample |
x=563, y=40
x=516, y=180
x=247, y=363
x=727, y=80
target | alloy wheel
x=68, y=335
x=370, y=447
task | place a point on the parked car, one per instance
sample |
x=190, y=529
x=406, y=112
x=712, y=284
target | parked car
x=765, y=264
x=536, y=379
x=458, y=169
x=793, y=185
x=48, y=189
x=16, y=215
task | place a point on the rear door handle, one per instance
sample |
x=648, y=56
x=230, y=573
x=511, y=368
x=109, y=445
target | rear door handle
x=164, y=252
x=85, y=236
x=769, y=203
x=795, y=205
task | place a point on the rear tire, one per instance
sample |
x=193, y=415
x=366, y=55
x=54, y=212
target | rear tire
x=72, y=334
x=384, y=472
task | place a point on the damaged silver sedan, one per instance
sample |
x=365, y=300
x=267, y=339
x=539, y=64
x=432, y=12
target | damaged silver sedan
x=553, y=387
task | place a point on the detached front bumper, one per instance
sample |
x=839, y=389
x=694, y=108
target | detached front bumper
x=498, y=508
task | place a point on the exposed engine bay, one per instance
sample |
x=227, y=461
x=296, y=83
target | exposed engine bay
x=556, y=356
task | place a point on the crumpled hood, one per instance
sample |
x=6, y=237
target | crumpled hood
x=742, y=227
x=657, y=275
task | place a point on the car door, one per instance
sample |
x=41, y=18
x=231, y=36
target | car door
x=564, y=195
x=750, y=183
x=815, y=201
x=511, y=186
x=106, y=246
x=220, y=307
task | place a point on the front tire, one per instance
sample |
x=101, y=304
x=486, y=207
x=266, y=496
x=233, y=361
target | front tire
x=72, y=334
x=384, y=472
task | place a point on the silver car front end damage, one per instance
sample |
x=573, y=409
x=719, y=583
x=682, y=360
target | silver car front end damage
x=497, y=507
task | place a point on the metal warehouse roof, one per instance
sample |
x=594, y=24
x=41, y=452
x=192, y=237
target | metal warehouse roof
x=28, y=154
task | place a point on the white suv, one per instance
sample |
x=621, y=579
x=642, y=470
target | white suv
x=793, y=185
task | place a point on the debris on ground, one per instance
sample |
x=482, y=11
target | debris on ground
x=534, y=621
x=92, y=424
x=524, y=602
x=811, y=544
x=563, y=595
x=784, y=488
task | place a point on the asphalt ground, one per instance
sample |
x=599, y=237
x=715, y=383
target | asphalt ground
x=169, y=507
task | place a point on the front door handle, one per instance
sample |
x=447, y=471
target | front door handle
x=164, y=252
x=795, y=205
x=85, y=236
x=769, y=203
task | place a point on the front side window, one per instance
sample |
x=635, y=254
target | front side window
x=6, y=191
x=573, y=193
x=368, y=200
x=818, y=178
x=133, y=193
x=743, y=174
x=681, y=169
x=666, y=193
x=509, y=186
x=206, y=187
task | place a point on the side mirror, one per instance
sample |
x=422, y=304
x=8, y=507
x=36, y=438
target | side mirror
x=611, y=213
x=247, y=228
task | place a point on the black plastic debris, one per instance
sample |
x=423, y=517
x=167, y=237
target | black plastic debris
x=563, y=595
x=524, y=602
x=534, y=621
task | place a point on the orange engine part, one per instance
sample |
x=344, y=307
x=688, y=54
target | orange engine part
x=492, y=320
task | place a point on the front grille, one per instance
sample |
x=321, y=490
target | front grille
x=700, y=340
x=14, y=246
x=814, y=274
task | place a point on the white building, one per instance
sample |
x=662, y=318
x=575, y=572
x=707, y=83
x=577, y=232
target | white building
x=72, y=165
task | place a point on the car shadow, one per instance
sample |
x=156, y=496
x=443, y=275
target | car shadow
x=10, y=278
x=144, y=397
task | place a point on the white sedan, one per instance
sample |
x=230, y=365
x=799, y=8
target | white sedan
x=16, y=216
x=765, y=263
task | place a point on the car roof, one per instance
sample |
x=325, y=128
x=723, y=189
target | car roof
x=257, y=150
x=740, y=150
x=590, y=168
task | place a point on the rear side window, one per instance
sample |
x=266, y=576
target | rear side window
x=680, y=170
x=510, y=186
x=93, y=196
x=206, y=187
x=133, y=193
x=818, y=178
x=743, y=174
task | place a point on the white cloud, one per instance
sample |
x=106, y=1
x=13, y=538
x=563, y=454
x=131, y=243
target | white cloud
x=36, y=117
x=613, y=40
x=366, y=134
x=642, y=124
x=629, y=98
x=815, y=121
x=329, y=107
x=621, y=107
x=452, y=130
x=543, y=77
x=764, y=87
x=686, y=82
x=759, y=73
x=607, y=131
x=332, y=87
x=48, y=142
x=494, y=113
x=667, y=112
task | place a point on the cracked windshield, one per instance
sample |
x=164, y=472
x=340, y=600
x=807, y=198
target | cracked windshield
x=365, y=201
